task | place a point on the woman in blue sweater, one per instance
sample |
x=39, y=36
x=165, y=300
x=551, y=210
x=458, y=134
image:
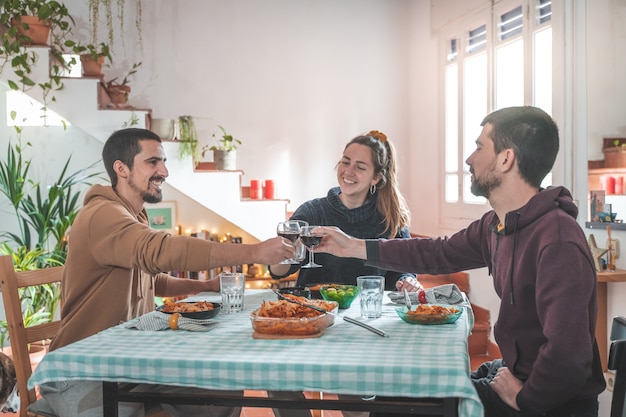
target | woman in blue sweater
x=366, y=204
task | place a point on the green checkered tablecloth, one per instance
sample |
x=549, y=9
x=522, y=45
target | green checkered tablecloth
x=414, y=361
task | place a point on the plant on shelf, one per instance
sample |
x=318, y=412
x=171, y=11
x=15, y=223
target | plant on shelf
x=19, y=18
x=119, y=91
x=92, y=56
x=188, y=137
x=224, y=153
x=620, y=145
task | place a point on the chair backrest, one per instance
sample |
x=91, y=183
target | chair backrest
x=617, y=362
x=20, y=336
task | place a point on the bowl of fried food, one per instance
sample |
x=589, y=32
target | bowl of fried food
x=343, y=294
x=285, y=318
x=297, y=291
x=430, y=314
x=198, y=310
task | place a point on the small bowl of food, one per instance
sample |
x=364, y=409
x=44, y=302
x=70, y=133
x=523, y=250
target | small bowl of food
x=283, y=318
x=297, y=291
x=343, y=294
x=430, y=314
x=315, y=291
x=192, y=310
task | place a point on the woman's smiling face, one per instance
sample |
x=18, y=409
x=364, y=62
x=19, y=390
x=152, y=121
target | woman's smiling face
x=355, y=173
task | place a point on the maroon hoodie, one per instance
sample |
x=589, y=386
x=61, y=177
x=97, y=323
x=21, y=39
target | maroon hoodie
x=545, y=276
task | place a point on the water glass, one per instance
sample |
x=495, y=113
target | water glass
x=232, y=287
x=371, y=290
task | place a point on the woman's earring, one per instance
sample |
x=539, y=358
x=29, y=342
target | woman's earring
x=372, y=189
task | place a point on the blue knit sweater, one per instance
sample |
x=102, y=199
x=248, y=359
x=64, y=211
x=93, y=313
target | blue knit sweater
x=362, y=222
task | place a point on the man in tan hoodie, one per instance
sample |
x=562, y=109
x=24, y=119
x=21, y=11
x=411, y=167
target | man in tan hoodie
x=115, y=264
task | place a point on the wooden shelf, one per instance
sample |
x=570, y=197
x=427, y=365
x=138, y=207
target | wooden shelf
x=603, y=225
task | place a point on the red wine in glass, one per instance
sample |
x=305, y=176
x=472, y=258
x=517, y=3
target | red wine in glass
x=310, y=240
x=290, y=230
x=291, y=236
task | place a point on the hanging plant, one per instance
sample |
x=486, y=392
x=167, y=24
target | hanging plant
x=188, y=137
x=107, y=7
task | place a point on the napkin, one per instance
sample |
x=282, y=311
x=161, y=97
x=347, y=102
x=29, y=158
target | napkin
x=157, y=320
x=442, y=294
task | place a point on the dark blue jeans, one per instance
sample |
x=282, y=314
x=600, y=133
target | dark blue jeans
x=495, y=407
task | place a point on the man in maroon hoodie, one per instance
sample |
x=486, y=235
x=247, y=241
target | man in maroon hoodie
x=541, y=266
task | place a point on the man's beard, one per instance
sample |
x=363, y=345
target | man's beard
x=146, y=195
x=151, y=198
x=483, y=187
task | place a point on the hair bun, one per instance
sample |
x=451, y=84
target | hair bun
x=378, y=135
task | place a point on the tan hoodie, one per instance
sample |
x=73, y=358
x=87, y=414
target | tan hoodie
x=114, y=264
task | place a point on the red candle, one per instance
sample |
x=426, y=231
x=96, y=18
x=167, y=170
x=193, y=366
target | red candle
x=608, y=184
x=619, y=185
x=268, y=190
x=255, y=189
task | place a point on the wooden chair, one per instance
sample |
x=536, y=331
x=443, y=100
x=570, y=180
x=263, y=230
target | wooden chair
x=617, y=362
x=21, y=336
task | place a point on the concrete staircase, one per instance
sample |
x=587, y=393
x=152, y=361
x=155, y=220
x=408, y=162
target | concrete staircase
x=84, y=103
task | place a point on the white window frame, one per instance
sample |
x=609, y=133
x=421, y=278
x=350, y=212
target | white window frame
x=459, y=214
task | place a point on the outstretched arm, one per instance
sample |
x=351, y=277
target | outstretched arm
x=337, y=243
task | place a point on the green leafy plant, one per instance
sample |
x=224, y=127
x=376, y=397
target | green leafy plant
x=126, y=78
x=40, y=303
x=22, y=60
x=91, y=50
x=188, y=137
x=44, y=215
x=227, y=143
x=619, y=145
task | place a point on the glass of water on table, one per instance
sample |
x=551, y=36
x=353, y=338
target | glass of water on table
x=371, y=290
x=232, y=287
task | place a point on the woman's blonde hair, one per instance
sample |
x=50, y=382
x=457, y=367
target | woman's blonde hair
x=390, y=203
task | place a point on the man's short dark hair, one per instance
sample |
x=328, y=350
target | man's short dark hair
x=123, y=145
x=533, y=136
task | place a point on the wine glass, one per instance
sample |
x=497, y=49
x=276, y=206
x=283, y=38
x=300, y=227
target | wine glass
x=291, y=230
x=310, y=239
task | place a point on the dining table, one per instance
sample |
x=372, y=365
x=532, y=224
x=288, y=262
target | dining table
x=413, y=369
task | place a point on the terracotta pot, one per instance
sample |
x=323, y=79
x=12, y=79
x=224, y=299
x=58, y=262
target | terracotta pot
x=38, y=30
x=36, y=353
x=92, y=67
x=118, y=93
x=614, y=157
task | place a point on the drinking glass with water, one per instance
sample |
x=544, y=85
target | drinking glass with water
x=232, y=288
x=371, y=290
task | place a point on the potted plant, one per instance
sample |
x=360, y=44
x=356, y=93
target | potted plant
x=119, y=91
x=34, y=20
x=92, y=57
x=188, y=137
x=20, y=18
x=225, y=152
x=44, y=215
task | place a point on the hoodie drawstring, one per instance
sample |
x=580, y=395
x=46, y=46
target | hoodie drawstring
x=517, y=214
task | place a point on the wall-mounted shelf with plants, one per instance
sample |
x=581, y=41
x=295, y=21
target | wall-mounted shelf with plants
x=47, y=14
